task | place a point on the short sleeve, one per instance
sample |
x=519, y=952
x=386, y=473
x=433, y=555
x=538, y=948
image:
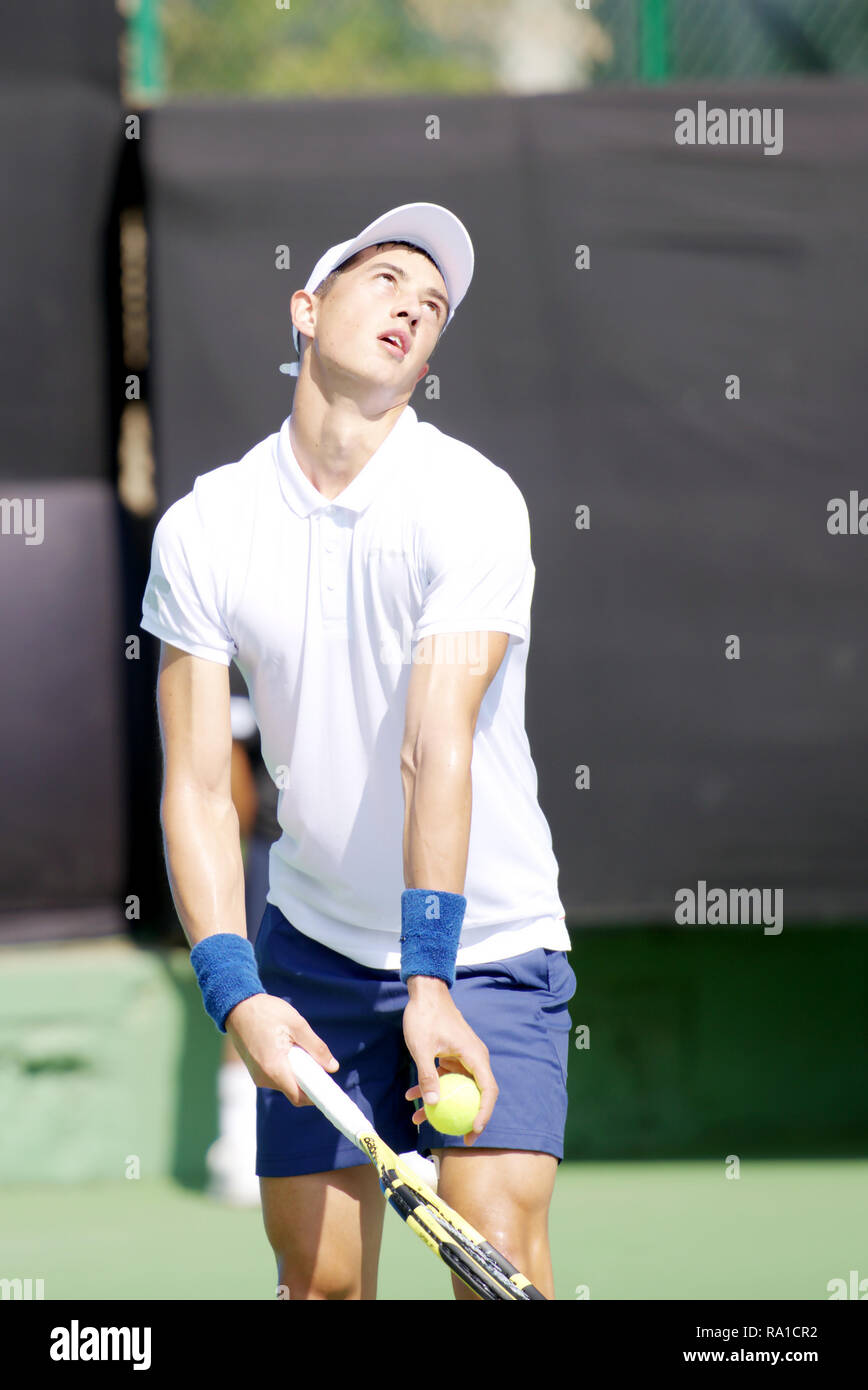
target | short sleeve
x=180, y=604
x=479, y=570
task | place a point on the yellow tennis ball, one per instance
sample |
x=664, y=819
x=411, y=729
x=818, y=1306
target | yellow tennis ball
x=458, y=1106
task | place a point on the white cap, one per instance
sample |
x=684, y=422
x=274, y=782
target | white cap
x=427, y=225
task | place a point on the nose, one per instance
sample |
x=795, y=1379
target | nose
x=409, y=306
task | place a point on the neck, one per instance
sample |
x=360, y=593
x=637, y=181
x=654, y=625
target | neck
x=333, y=435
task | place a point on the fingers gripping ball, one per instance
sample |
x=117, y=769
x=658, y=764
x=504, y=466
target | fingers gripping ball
x=458, y=1105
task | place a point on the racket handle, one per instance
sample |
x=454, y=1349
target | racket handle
x=328, y=1097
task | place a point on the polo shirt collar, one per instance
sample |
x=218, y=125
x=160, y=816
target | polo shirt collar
x=304, y=498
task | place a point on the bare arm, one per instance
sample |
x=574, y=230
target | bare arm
x=203, y=855
x=200, y=825
x=443, y=702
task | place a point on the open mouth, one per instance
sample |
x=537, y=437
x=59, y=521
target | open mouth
x=393, y=342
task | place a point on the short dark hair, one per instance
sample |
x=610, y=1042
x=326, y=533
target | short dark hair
x=325, y=285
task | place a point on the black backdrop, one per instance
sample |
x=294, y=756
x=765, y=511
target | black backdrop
x=602, y=387
x=65, y=780
x=60, y=145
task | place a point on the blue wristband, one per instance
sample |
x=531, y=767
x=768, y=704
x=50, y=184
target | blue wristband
x=225, y=967
x=430, y=932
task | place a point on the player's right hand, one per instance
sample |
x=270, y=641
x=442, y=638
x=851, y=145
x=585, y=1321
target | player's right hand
x=263, y=1029
x=435, y=1028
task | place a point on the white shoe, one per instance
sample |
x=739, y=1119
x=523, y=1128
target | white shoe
x=231, y=1159
x=232, y=1173
x=428, y=1169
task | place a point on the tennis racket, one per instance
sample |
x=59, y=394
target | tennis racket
x=482, y=1268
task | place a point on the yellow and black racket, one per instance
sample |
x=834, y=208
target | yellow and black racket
x=462, y=1248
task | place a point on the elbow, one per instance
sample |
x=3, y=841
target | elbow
x=184, y=803
x=447, y=752
x=409, y=751
x=409, y=764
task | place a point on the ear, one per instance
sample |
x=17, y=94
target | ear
x=302, y=311
x=422, y=373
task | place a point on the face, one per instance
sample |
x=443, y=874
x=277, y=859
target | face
x=394, y=293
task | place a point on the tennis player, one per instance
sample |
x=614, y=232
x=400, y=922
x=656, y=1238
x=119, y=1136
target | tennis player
x=371, y=577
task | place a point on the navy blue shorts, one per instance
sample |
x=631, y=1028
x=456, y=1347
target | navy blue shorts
x=518, y=1007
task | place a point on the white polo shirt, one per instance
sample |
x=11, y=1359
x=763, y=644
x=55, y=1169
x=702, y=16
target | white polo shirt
x=322, y=605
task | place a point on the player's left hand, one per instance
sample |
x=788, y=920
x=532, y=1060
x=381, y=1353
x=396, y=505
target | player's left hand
x=435, y=1028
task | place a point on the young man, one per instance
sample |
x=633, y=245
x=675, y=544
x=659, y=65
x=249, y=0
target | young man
x=372, y=579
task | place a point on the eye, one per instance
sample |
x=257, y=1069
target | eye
x=430, y=303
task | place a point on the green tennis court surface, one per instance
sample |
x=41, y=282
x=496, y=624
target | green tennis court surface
x=626, y=1230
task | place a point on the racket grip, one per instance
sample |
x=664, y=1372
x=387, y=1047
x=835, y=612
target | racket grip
x=328, y=1097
